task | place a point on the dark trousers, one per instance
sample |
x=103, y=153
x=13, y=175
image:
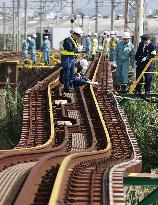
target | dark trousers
x=147, y=78
x=68, y=64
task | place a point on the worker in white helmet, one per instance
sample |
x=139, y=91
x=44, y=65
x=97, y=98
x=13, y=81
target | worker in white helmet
x=80, y=77
x=33, y=48
x=94, y=44
x=123, y=57
x=46, y=50
x=68, y=58
x=106, y=43
x=26, y=46
x=113, y=42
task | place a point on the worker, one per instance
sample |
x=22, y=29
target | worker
x=94, y=44
x=25, y=46
x=80, y=77
x=124, y=56
x=88, y=45
x=46, y=50
x=33, y=48
x=113, y=42
x=68, y=58
x=145, y=52
x=106, y=42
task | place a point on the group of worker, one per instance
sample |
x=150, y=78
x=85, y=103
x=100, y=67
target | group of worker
x=91, y=45
x=123, y=56
x=30, y=45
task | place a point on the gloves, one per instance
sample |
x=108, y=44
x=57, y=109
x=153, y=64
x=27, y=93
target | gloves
x=144, y=59
x=92, y=82
x=80, y=48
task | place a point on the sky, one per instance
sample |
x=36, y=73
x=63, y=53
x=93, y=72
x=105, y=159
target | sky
x=85, y=6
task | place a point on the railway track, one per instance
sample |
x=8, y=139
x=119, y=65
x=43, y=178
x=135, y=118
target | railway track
x=89, y=122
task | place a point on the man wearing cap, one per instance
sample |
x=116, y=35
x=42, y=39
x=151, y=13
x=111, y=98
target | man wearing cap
x=25, y=46
x=46, y=50
x=145, y=52
x=124, y=56
x=33, y=48
x=68, y=58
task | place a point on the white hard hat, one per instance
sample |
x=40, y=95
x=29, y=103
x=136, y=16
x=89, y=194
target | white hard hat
x=126, y=35
x=89, y=34
x=34, y=35
x=29, y=38
x=78, y=31
x=112, y=33
x=95, y=34
x=106, y=33
x=46, y=37
x=84, y=63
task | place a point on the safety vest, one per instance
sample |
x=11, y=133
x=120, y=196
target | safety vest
x=70, y=53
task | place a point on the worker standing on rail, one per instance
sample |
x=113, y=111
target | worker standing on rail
x=46, y=50
x=145, y=52
x=33, y=48
x=25, y=46
x=68, y=58
x=106, y=43
x=94, y=44
x=112, y=44
x=88, y=45
x=123, y=56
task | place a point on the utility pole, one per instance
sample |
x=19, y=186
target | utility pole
x=18, y=14
x=14, y=47
x=112, y=14
x=72, y=14
x=139, y=19
x=96, y=16
x=41, y=23
x=25, y=29
x=61, y=5
x=82, y=16
x=4, y=26
x=126, y=15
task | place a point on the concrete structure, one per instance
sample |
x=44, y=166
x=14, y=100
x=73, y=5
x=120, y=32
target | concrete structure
x=57, y=35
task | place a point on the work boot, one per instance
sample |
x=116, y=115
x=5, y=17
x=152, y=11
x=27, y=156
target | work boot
x=124, y=88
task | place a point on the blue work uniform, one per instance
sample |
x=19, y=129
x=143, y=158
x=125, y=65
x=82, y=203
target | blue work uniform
x=33, y=50
x=123, y=55
x=81, y=79
x=88, y=46
x=25, y=47
x=68, y=60
x=149, y=52
x=46, y=51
